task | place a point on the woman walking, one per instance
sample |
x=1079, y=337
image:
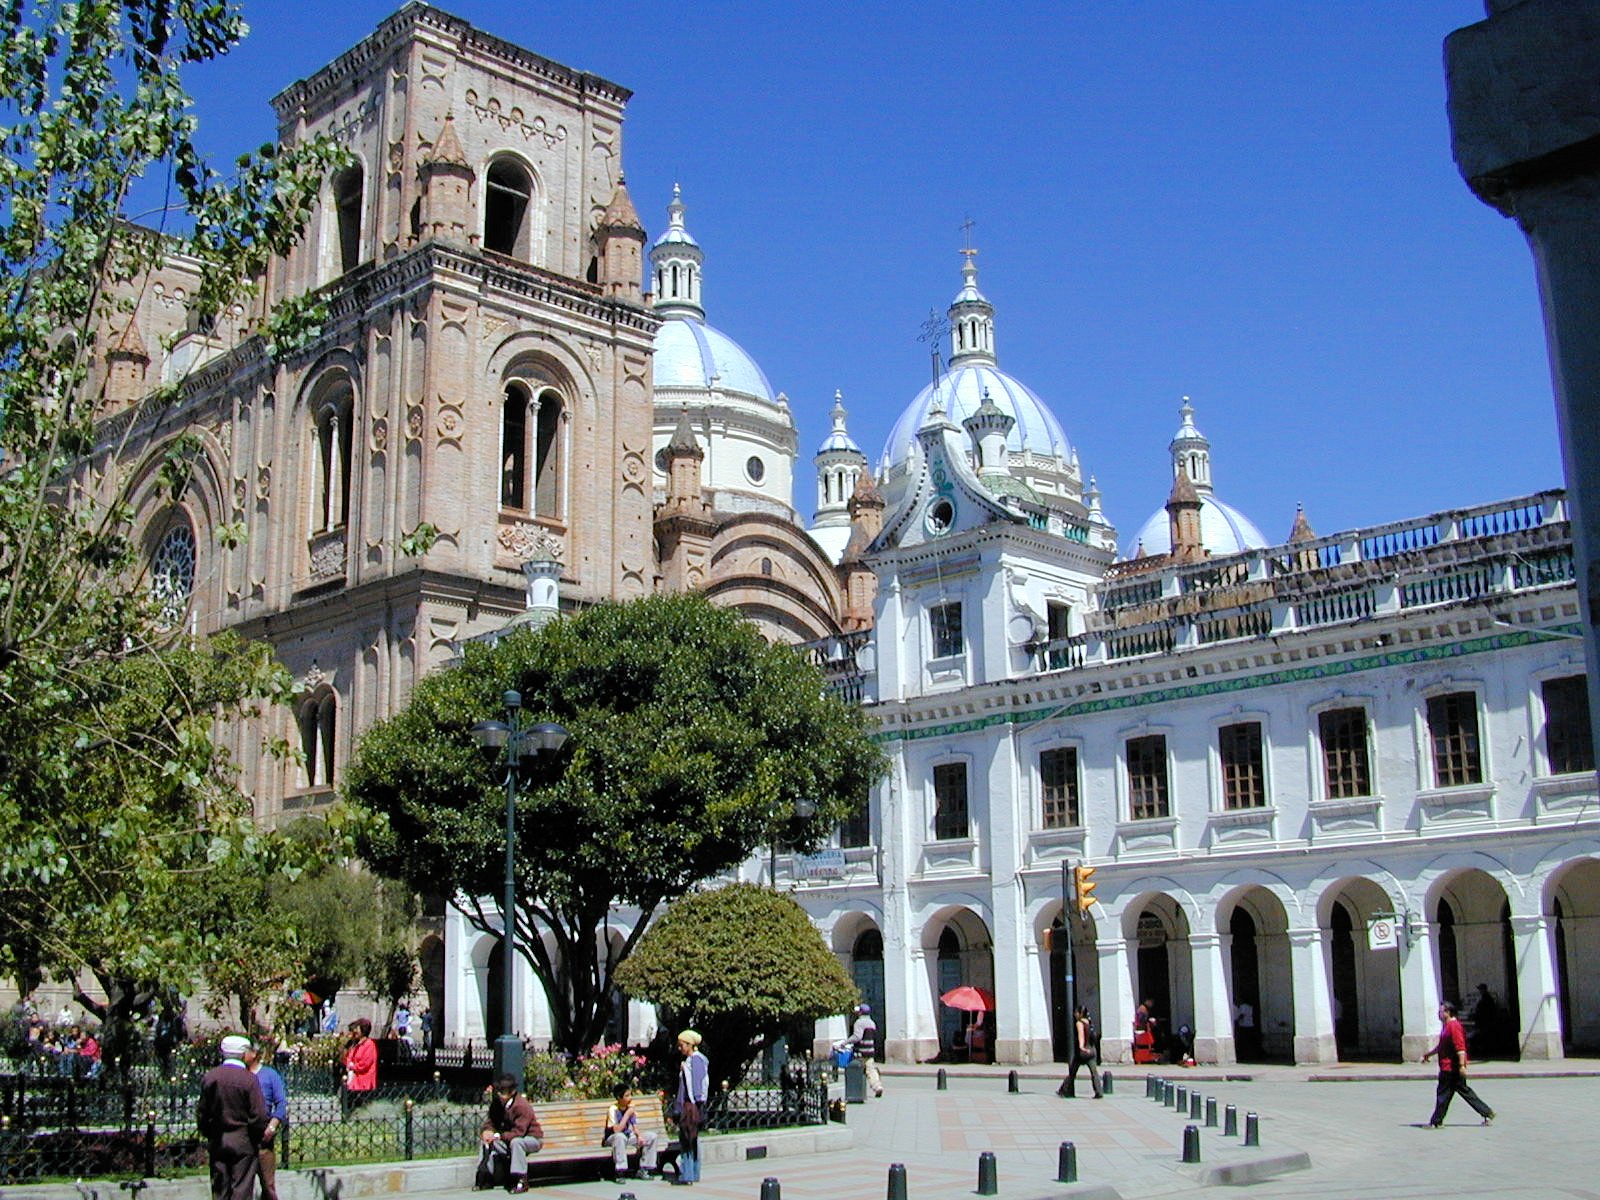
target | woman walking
x=694, y=1082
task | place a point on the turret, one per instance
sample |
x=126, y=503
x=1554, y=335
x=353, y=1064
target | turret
x=675, y=266
x=619, y=247
x=447, y=178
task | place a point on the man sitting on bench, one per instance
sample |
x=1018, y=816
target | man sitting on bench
x=511, y=1129
x=623, y=1135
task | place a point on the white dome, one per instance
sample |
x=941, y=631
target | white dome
x=1223, y=530
x=690, y=353
x=961, y=392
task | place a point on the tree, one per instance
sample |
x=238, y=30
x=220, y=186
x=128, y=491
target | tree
x=119, y=819
x=741, y=964
x=691, y=741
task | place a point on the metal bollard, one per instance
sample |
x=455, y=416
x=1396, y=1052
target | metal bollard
x=1012, y=1085
x=1191, y=1143
x=1067, y=1164
x=411, y=1131
x=1230, y=1122
x=1149, y=1087
x=1105, y=1083
x=1182, y=1103
x=770, y=1189
x=1167, y=1091
x=1252, y=1130
x=1194, y=1106
x=626, y=1196
x=897, y=1181
x=1211, y=1112
x=988, y=1176
x=941, y=1080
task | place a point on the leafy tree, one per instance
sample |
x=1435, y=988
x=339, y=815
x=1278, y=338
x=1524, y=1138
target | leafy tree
x=120, y=823
x=692, y=739
x=741, y=964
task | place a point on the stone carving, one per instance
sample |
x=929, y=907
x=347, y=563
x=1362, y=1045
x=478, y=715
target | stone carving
x=633, y=471
x=449, y=425
x=414, y=422
x=523, y=541
x=328, y=557
x=347, y=124
x=263, y=481
x=434, y=69
x=312, y=679
x=241, y=492
x=536, y=129
x=380, y=435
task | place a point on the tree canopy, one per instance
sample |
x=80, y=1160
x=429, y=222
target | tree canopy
x=741, y=964
x=692, y=740
x=119, y=816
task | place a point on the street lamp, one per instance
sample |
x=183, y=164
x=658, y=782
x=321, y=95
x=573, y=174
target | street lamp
x=804, y=809
x=512, y=743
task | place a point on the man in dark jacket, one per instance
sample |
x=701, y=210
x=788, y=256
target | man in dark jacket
x=232, y=1118
x=511, y=1128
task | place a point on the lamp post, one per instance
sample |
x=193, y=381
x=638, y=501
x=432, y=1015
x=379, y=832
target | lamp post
x=511, y=742
x=804, y=809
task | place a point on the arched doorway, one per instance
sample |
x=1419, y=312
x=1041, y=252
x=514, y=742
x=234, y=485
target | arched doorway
x=866, y=970
x=1574, y=904
x=961, y=952
x=1477, y=960
x=494, y=1007
x=1162, y=965
x=1086, y=983
x=1261, y=976
x=431, y=955
x=1365, y=983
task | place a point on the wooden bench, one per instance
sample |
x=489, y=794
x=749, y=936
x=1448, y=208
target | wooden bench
x=575, y=1131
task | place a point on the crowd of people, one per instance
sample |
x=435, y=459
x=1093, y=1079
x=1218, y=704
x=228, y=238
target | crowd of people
x=66, y=1047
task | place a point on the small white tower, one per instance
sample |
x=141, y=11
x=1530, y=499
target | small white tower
x=676, y=263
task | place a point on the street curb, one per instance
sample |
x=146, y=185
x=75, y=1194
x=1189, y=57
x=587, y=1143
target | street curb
x=1081, y=1191
x=1253, y=1171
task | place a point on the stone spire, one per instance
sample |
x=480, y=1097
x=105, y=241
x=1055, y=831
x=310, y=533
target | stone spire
x=971, y=319
x=619, y=246
x=127, y=362
x=684, y=457
x=1301, y=531
x=447, y=177
x=1183, y=516
x=675, y=265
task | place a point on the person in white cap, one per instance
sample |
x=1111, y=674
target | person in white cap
x=232, y=1118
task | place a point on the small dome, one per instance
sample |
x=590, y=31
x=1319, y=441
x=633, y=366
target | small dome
x=962, y=393
x=690, y=353
x=1223, y=530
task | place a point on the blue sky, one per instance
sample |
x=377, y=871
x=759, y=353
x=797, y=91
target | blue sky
x=1252, y=204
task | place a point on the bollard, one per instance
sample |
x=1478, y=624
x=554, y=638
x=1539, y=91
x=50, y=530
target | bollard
x=1182, y=1102
x=150, y=1144
x=1252, y=1130
x=1149, y=1086
x=770, y=1189
x=1012, y=1085
x=1067, y=1164
x=988, y=1176
x=941, y=1080
x=1230, y=1122
x=626, y=1196
x=410, y=1137
x=1105, y=1083
x=1211, y=1112
x=1167, y=1090
x=1191, y=1143
x=1194, y=1106
x=897, y=1181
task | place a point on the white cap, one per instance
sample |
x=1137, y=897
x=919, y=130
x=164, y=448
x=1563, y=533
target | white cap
x=234, y=1046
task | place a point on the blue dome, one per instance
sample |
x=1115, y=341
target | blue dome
x=961, y=391
x=1223, y=530
x=689, y=353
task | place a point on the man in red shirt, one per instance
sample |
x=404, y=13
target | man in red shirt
x=1452, y=1052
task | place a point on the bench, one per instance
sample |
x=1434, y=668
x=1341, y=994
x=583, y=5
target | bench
x=574, y=1131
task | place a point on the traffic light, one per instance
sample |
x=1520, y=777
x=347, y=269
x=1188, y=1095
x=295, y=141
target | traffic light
x=1083, y=888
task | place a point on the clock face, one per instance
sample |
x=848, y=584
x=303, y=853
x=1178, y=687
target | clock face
x=941, y=516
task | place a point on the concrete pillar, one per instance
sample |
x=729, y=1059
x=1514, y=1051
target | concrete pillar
x=1116, y=1000
x=1525, y=130
x=1534, y=938
x=1313, y=998
x=1419, y=992
x=1213, y=1011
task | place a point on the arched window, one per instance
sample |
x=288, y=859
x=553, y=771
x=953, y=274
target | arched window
x=548, y=455
x=514, y=447
x=508, y=197
x=318, y=713
x=331, y=459
x=172, y=574
x=347, y=194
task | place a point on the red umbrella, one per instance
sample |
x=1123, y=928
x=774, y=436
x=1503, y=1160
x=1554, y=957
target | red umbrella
x=969, y=999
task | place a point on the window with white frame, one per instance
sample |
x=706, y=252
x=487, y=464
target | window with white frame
x=333, y=415
x=1244, y=774
x=1058, y=787
x=1147, y=777
x=1568, y=736
x=1346, y=757
x=508, y=204
x=1453, y=738
x=944, y=625
x=950, y=820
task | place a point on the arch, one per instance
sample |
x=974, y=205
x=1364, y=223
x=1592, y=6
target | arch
x=316, y=717
x=1260, y=973
x=330, y=399
x=1050, y=929
x=535, y=431
x=1365, y=983
x=430, y=954
x=1572, y=898
x=1162, y=964
x=349, y=192
x=959, y=950
x=510, y=202
x=1474, y=946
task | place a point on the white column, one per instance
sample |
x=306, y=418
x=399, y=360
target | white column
x=1313, y=998
x=1419, y=993
x=1116, y=1003
x=1540, y=1035
x=1213, y=1014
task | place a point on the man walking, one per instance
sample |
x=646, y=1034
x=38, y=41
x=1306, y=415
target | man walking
x=277, y=1101
x=1085, y=1050
x=1452, y=1052
x=510, y=1129
x=232, y=1117
x=864, y=1042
